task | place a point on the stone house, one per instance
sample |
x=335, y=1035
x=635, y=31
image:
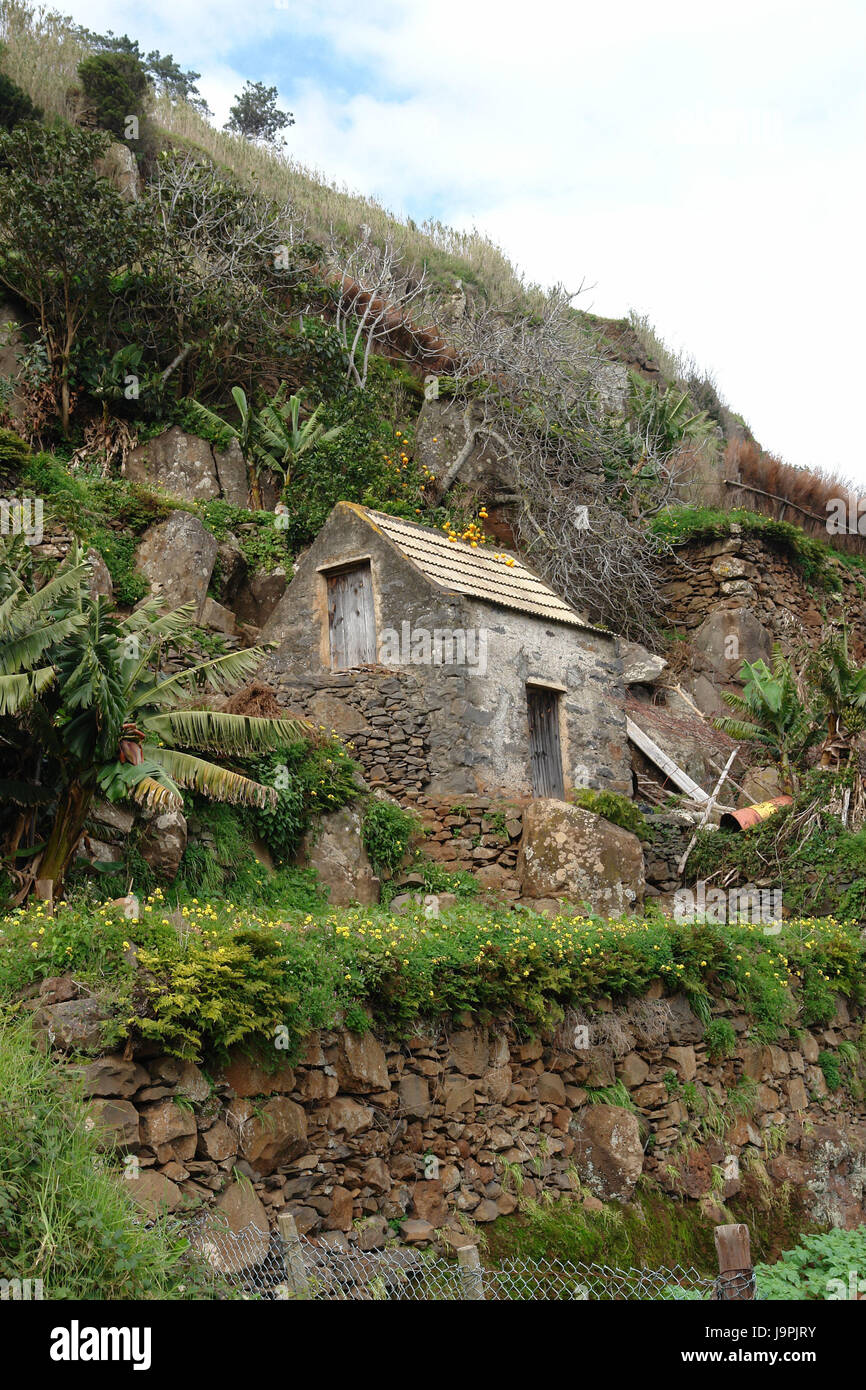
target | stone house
x=450, y=670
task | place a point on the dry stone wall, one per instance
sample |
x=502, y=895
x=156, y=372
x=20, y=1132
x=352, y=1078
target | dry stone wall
x=363, y=1135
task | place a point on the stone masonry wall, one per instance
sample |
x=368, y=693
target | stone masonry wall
x=745, y=570
x=440, y=1127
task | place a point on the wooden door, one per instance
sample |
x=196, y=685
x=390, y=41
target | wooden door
x=351, y=619
x=545, y=751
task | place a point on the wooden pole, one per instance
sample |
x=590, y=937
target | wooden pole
x=736, y=1278
x=471, y=1273
x=707, y=809
x=297, y=1283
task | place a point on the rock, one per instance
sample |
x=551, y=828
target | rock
x=797, y=1096
x=339, y=1218
x=117, y=1122
x=469, y=1052
x=178, y=463
x=416, y=1232
x=151, y=1190
x=230, y=571
x=58, y=989
x=608, y=1153
x=346, y=1115
x=249, y=1078
x=633, y=1070
x=550, y=1089
x=639, y=666
x=184, y=1076
x=259, y=595
x=567, y=852
x=373, y=1235
x=218, y=618
x=414, y=1093
x=240, y=1236
x=684, y=1060
x=163, y=842
x=217, y=1143
x=113, y=1076
x=335, y=849
x=76, y=1024
x=118, y=165
x=114, y=817
x=177, y=556
x=760, y=784
x=163, y=1122
x=428, y=1202
x=100, y=584
x=727, y=638
x=231, y=474
x=360, y=1063
x=270, y=1136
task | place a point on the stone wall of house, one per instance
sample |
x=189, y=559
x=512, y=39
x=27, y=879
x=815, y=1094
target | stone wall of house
x=361, y=1131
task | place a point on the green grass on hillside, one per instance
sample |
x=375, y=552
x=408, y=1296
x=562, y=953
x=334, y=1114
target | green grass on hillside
x=64, y=1216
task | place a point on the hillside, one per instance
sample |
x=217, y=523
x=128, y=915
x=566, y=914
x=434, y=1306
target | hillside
x=432, y=746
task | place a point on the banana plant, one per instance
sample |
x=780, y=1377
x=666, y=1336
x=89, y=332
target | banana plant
x=282, y=439
x=87, y=688
x=772, y=712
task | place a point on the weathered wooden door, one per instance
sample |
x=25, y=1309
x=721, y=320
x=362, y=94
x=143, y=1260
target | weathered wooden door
x=351, y=619
x=545, y=752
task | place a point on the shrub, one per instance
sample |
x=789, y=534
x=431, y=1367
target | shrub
x=388, y=832
x=829, y=1065
x=14, y=453
x=819, y=1267
x=310, y=779
x=617, y=809
x=15, y=104
x=720, y=1039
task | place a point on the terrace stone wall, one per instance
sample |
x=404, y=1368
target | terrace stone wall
x=364, y=1136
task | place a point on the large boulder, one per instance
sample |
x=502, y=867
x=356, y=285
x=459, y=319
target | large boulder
x=72, y=1025
x=727, y=638
x=570, y=853
x=639, y=666
x=189, y=468
x=163, y=842
x=257, y=596
x=153, y=1191
x=760, y=784
x=177, y=556
x=608, y=1153
x=335, y=849
x=179, y=463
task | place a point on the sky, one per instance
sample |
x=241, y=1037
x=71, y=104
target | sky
x=699, y=163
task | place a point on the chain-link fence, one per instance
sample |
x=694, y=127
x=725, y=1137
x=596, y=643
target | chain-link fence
x=283, y=1265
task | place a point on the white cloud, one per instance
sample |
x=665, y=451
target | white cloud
x=701, y=164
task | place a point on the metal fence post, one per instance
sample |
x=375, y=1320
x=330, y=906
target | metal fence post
x=471, y=1273
x=736, y=1279
x=297, y=1284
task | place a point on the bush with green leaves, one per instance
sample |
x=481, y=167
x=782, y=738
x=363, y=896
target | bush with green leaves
x=619, y=810
x=720, y=1039
x=820, y=1266
x=388, y=832
x=15, y=104
x=310, y=779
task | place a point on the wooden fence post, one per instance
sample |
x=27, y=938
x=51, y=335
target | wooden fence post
x=297, y=1284
x=736, y=1278
x=471, y=1273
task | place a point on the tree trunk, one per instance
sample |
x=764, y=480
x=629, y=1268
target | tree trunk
x=72, y=808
